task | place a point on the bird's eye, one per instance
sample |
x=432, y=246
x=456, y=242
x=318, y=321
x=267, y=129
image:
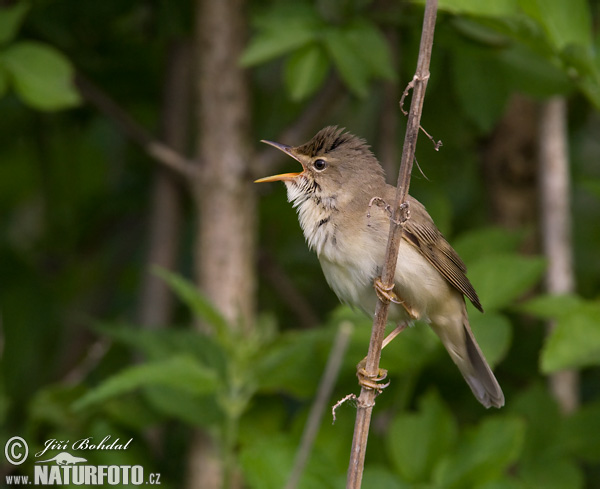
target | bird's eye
x=320, y=165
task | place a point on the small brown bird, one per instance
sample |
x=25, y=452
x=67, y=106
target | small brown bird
x=348, y=229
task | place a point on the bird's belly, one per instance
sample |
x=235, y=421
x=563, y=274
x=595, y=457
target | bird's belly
x=417, y=283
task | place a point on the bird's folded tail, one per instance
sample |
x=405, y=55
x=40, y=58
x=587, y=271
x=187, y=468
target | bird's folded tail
x=469, y=359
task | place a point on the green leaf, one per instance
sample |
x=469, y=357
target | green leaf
x=540, y=411
x=493, y=333
x=353, y=70
x=11, y=18
x=305, y=70
x=551, y=472
x=575, y=341
x=180, y=372
x=381, y=477
x=497, y=8
x=281, y=29
x=372, y=47
x=164, y=343
x=480, y=242
x=196, y=410
x=581, y=433
x=486, y=452
x=529, y=72
x=483, y=93
x=501, y=279
x=41, y=75
x=415, y=442
x=291, y=365
x=267, y=462
x=552, y=306
x=563, y=22
x=198, y=303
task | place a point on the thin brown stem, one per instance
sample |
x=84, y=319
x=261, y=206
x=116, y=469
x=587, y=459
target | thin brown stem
x=366, y=400
x=326, y=386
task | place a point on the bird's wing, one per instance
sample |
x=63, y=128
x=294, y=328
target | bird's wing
x=421, y=232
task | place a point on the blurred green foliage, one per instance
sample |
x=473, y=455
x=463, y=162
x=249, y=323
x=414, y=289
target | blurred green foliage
x=74, y=196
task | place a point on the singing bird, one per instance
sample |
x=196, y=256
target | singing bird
x=343, y=201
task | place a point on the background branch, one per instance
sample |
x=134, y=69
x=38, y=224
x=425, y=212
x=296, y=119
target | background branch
x=156, y=149
x=366, y=400
x=326, y=386
x=555, y=210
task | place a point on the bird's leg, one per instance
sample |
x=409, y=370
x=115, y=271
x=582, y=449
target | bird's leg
x=372, y=381
x=395, y=332
x=387, y=294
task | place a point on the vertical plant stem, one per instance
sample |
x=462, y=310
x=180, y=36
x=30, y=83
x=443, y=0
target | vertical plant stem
x=366, y=400
x=555, y=213
x=326, y=386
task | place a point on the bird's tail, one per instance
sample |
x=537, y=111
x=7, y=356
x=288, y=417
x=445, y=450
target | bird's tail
x=469, y=359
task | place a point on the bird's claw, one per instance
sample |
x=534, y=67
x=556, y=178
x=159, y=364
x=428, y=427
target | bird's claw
x=371, y=381
x=387, y=294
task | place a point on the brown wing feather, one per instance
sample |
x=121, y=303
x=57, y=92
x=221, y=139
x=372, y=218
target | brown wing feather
x=425, y=236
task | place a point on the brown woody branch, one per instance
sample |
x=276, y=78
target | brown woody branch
x=366, y=400
x=156, y=149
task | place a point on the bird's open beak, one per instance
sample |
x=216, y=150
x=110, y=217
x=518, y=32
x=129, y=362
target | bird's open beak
x=283, y=177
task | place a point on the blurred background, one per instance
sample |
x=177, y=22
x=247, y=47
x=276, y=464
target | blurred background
x=150, y=291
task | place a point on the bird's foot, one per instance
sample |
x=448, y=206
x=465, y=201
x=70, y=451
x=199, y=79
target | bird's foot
x=387, y=294
x=371, y=381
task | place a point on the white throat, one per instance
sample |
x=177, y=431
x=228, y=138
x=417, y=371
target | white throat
x=315, y=213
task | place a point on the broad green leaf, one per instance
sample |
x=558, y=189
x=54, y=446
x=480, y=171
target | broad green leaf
x=266, y=463
x=281, y=29
x=11, y=18
x=483, y=93
x=540, y=411
x=505, y=482
x=483, y=455
x=574, y=342
x=164, y=343
x=501, y=279
x=493, y=333
x=416, y=441
x=353, y=70
x=372, y=47
x=496, y=8
x=529, y=72
x=563, y=22
x=551, y=473
x=291, y=364
x=180, y=372
x=381, y=477
x=41, y=75
x=552, y=306
x=194, y=299
x=305, y=71
x=480, y=242
x=196, y=410
x=581, y=433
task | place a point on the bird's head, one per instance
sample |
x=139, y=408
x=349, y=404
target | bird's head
x=331, y=161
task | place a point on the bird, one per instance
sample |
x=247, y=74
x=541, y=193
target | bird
x=343, y=206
